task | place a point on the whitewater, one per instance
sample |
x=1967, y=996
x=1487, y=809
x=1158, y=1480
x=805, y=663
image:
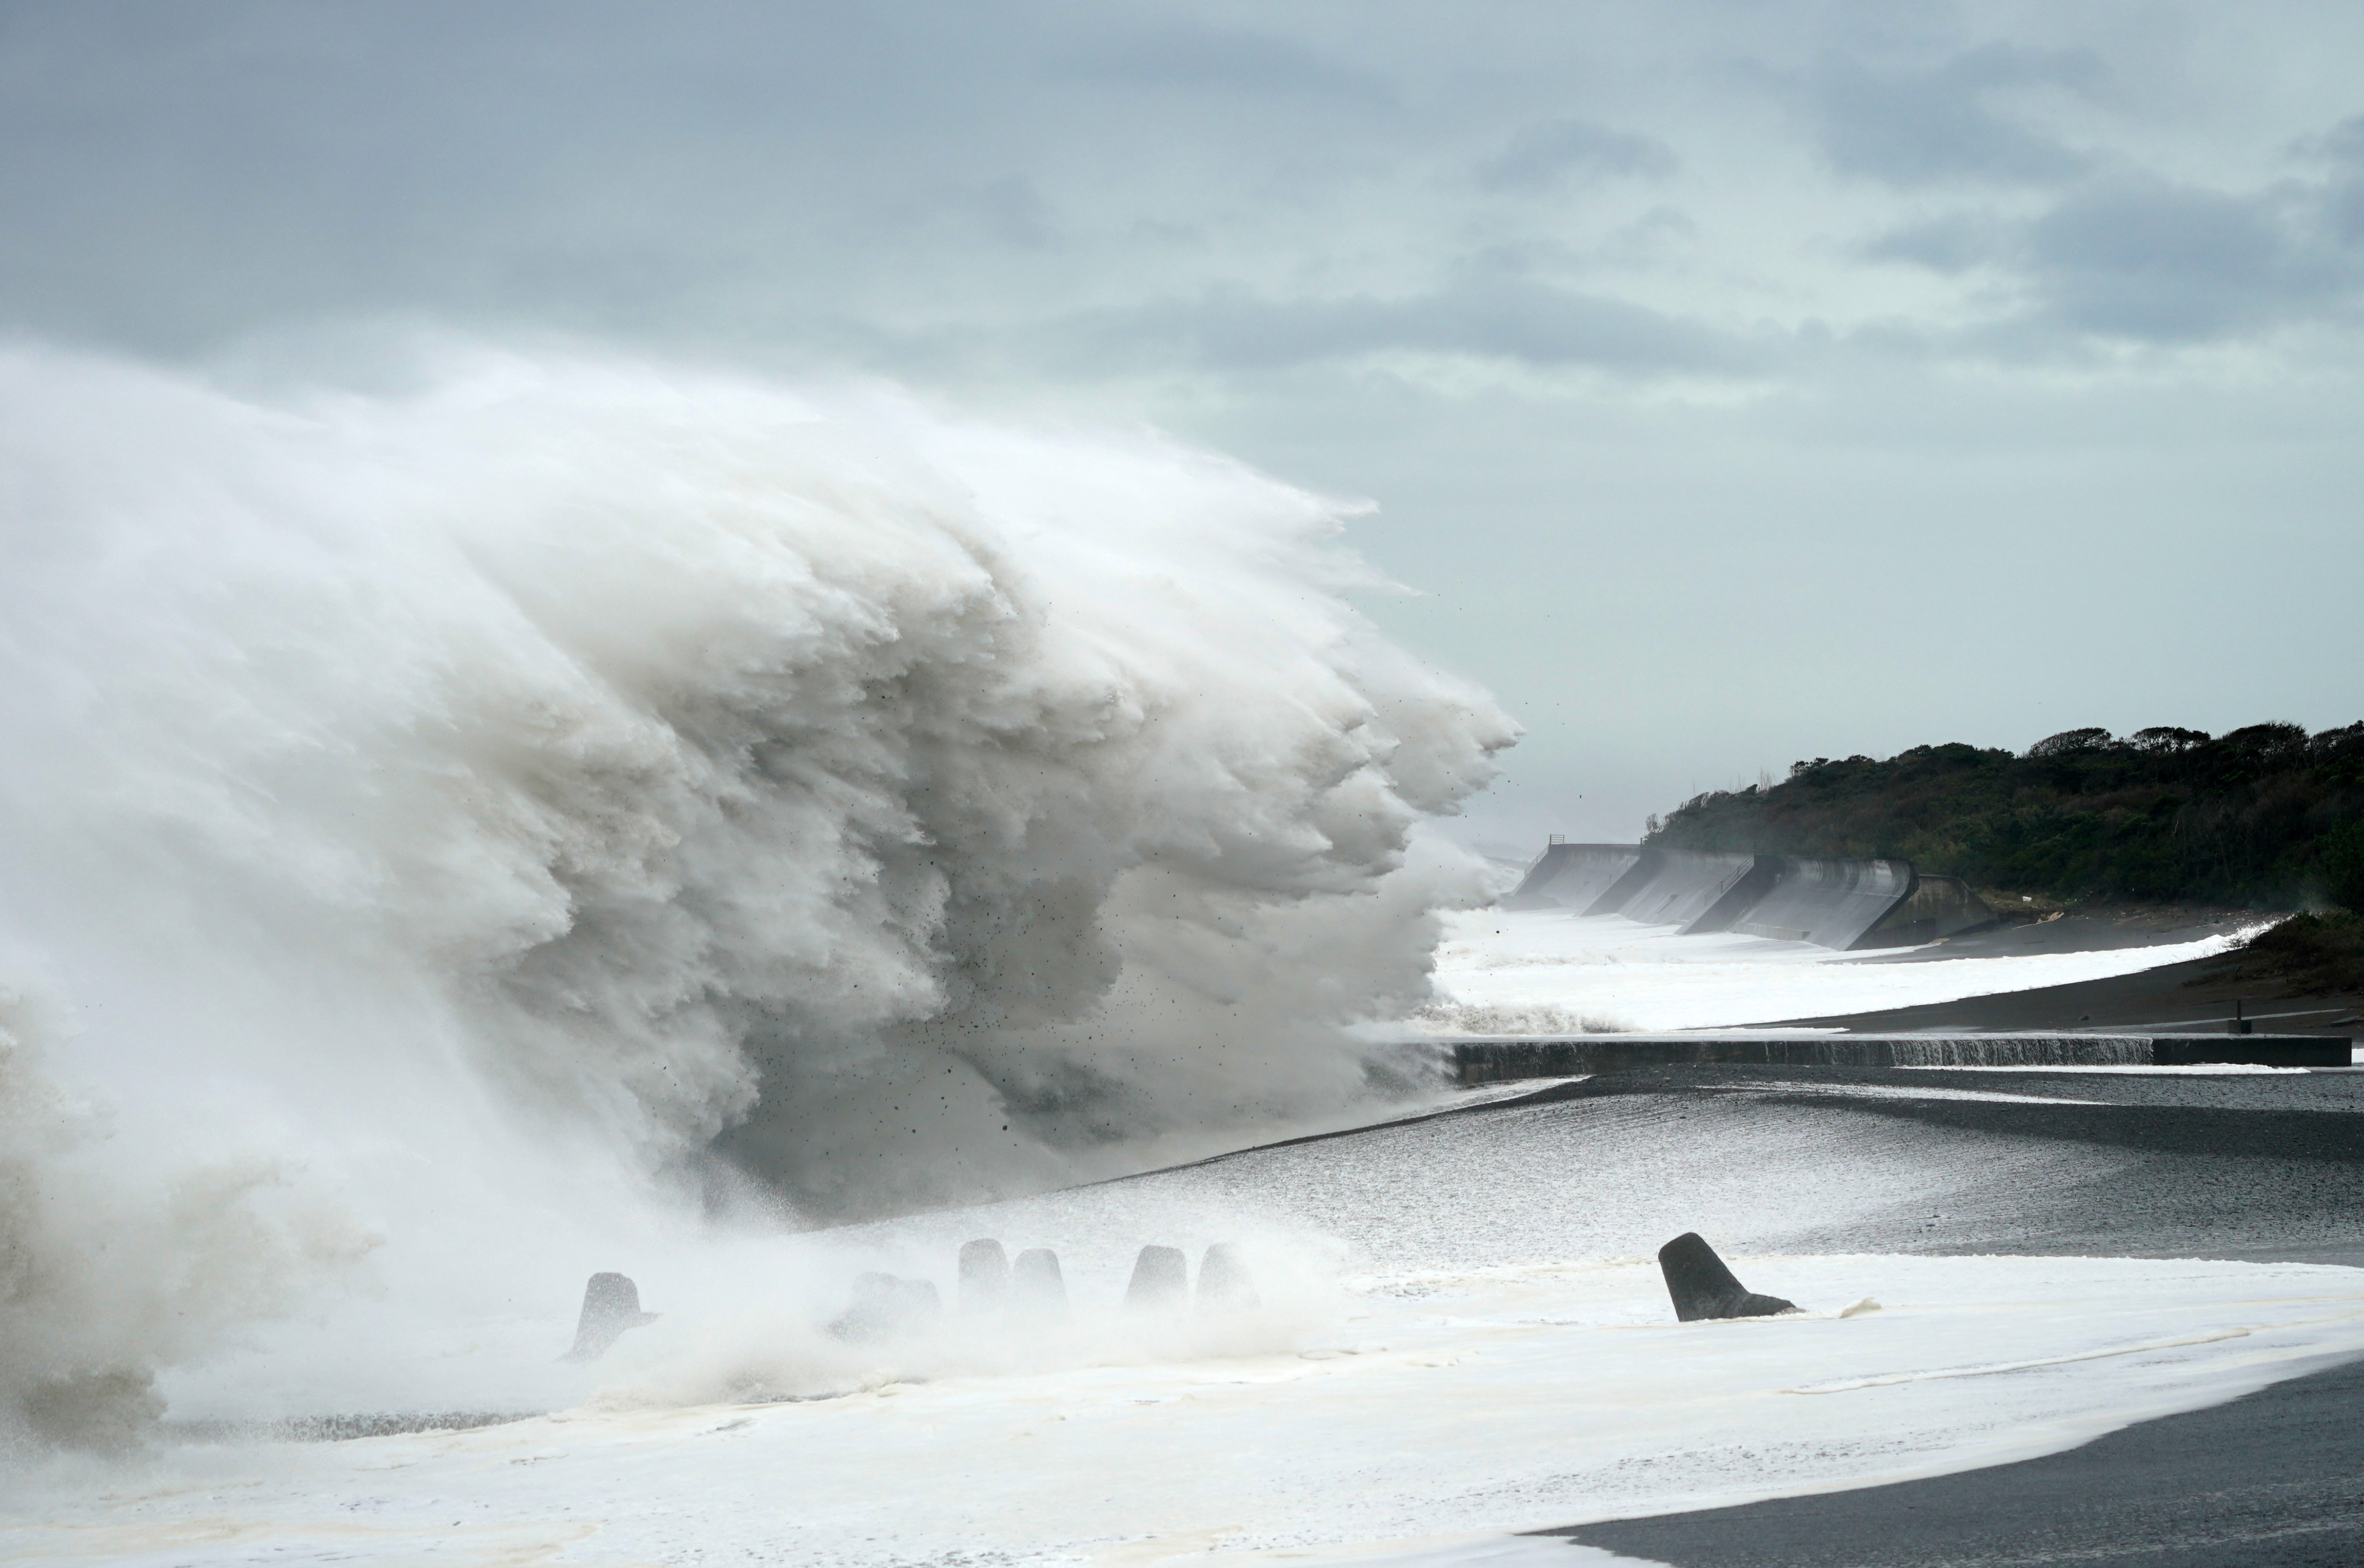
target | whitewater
x=455, y=826
x=1539, y=972
x=517, y=815
x=1460, y=1334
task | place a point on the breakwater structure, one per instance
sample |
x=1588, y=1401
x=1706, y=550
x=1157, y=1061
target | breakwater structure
x=1838, y=904
x=1474, y=1061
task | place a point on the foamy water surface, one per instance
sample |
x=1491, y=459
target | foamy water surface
x=1547, y=971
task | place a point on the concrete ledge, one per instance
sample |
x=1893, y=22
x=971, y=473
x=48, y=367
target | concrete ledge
x=2263, y=1050
x=1505, y=1061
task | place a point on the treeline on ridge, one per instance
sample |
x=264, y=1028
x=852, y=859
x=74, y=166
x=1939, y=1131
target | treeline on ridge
x=2268, y=817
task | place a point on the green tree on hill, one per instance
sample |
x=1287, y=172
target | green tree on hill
x=2267, y=816
x=2342, y=852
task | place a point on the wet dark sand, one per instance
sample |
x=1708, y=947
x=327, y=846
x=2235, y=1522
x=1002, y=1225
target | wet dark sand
x=2085, y=930
x=2164, y=999
x=2269, y=1481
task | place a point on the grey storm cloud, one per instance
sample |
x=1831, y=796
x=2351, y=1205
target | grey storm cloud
x=1540, y=155
x=2158, y=261
x=2171, y=263
x=1763, y=297
x=1953, y=243
x=2342, y=198
x=1192, y=58
x=1060, y=183
x=1942, y=122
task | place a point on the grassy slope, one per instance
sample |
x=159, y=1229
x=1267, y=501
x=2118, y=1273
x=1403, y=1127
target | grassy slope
x=2307, y=954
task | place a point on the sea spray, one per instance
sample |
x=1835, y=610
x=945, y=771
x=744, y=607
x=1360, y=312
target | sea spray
x=109, y=1269
x=502, y=807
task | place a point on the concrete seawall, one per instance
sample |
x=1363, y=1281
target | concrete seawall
x=1831, y=902
x=1697, y=892
x=1937, y=906
x=1506, y=1060
x=1574, y=876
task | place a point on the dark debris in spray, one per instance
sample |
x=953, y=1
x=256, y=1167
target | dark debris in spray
x=340, y=1429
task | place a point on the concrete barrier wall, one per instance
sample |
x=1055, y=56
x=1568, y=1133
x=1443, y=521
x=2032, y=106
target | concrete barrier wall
x=1694, y=890
x=1937, y=906
x=1738, y=899
x=1574, y=876
x=1829, y=903
x=1506, y=1061
x=1637, y=876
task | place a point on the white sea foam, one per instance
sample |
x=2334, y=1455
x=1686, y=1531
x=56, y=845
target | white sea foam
x=1459, y=1334
x=1549, y=972
x=1386, y=1413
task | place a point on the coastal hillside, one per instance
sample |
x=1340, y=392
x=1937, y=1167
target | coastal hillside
x=2268, y=817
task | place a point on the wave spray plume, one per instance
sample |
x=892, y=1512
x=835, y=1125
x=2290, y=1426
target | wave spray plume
x=570, y=780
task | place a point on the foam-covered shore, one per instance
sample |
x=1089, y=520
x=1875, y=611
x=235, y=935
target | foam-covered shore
x=1461, y=1336
x=1431, y=1403
x=1549, y=972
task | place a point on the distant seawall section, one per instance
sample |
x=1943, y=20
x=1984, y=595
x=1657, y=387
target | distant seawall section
x=1476, y=1062
x=1699, y=891
x=1586, y=878
x=1832, y=904
x=1836, y=904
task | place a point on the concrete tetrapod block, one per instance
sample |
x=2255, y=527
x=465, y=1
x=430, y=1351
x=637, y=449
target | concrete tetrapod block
x=870, y=1312
x=1702, y=1287
x=1038, y=1292
x=917, y=1304
x=1225, y=1285
x=611, y=1304
x=885, y=1308
x=983, y=1279
x=1161, y=1280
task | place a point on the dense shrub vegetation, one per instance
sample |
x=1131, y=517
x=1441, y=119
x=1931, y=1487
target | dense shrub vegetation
x=2318, y=954
x=2268, y=817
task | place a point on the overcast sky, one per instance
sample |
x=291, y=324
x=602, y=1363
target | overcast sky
x=1738, y=383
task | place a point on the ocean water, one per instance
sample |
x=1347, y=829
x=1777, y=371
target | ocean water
x=1459, y=1334
x=533, y=814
